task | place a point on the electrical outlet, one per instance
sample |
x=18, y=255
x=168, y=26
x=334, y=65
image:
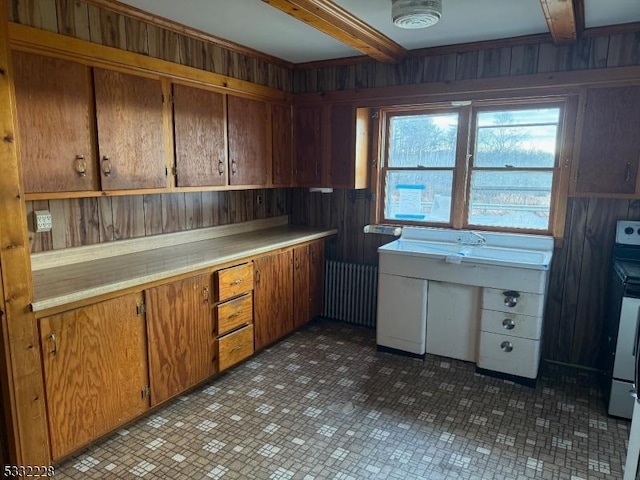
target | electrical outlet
x=258, y=199
x=42, y=220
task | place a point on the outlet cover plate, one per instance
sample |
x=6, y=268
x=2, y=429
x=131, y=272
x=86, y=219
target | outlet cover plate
x=42, y=220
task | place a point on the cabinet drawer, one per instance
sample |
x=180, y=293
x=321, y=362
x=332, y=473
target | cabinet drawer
x=512, y=301
x=512, y=355
x=234, y=281
x=234, y=347
x=234, y=313
x=512, y=324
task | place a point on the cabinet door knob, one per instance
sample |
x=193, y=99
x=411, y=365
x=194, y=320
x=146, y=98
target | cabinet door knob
x=220, y=167
x=234, y=167
x=106, y=166
x=81, y=166
x=508, y=323
x=54, y=339
x=627, y=176
x=506, y=346
x=205, y=294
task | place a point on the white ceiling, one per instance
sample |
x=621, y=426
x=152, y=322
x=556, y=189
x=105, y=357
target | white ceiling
x=257, y=25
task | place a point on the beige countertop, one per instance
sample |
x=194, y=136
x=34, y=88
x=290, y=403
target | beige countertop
x=66, y=284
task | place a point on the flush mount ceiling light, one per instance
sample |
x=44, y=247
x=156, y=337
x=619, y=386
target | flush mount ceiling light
x=416, y=13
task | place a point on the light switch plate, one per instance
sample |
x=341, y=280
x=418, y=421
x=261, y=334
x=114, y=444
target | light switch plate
x=42, y=220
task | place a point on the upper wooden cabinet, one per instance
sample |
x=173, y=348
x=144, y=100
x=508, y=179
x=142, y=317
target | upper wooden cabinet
x=308, y=144
x=54, y=103
x=129, y=111
x=248, y=156
x=349, y=147
x=331, y=146
x=199, y=119
x=95, y=371
x=282, y=141
x=609, y=147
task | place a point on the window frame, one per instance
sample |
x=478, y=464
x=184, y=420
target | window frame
x=464, y=165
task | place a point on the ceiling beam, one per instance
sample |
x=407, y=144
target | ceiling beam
x=565, y=19
x=336, y=22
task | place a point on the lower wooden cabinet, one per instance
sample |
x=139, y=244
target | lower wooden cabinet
x=316, y=278
x=107, y=363
x=301, y=290
x=180, y=332
x=273, y=297
x=235, y=347
x=95, y=370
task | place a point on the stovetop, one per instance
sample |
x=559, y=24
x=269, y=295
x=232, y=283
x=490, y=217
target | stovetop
x=626, y=251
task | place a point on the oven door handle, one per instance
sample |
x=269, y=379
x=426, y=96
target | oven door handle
x=635, y=338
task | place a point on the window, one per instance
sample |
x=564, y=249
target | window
x=490, y=166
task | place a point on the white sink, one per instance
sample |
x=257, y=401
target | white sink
x=455, y=247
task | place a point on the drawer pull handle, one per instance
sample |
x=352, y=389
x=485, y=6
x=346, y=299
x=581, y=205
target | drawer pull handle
x=506, y=346
x=511, y=298
x=237, y=282
x=508, y=324
x=234, y=315
x=205, y=294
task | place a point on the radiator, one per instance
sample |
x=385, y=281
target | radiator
x=351, y=292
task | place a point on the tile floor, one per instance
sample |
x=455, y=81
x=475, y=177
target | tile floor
x=323, y=404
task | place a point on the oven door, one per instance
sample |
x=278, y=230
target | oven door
x=625, y=362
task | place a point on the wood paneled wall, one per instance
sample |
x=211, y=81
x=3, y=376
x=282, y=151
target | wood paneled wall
x=580, y=271
x=89, y=22
x=86, y=221
x=579, y=275
x=589, y=52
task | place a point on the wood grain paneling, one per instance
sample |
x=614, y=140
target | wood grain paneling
x=301, y=287
x=308, y=144
x=55, y=119
x=282, y=138
x=273, y=297
x=130, y=130
x=180, y=338
x=316, y=278
x=235, y=347
x=95, y=369
x=200, y=137
x=248, y=156
x=232, y=314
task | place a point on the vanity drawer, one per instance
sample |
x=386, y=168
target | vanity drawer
x=512, y=355
x=512, y=324
x=512, y=301
x=234, y=281
x=235, y=347
x=234, y=313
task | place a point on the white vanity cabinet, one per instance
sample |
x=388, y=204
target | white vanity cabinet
x=481, y=303
x=404, y=310
x=511, y=328
x=453, y=318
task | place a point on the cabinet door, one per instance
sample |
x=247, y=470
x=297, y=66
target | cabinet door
x=609, y=148
x=349, y=147
x=308, y=142
x=200, y=137
x=247, y=141
x=54, y=106
x=301, y=295
x=130, y=131
x=180, y=332
x=282, y=134
x=316, y=278
x=95, y=371
x=273, y=297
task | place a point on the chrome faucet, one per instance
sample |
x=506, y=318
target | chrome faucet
x=473, y=238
